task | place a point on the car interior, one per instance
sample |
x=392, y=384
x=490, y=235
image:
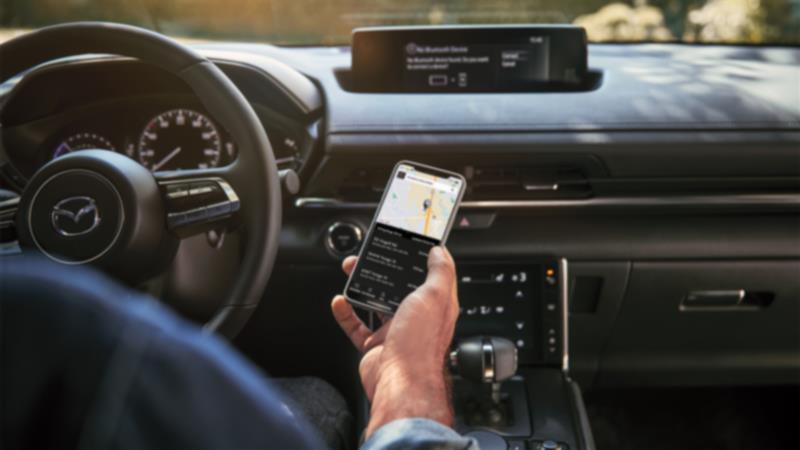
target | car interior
x=627, y=248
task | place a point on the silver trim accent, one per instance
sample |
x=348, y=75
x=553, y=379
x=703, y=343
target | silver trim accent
x=59, y=211
x=174, y=217
x=541, y=186
x=487, y=361
x=738, y=306
x=780, y=200
x=329, y=240
x=564, y=269
x=110, y=245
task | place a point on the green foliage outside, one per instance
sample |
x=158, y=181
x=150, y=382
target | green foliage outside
x=330, y=21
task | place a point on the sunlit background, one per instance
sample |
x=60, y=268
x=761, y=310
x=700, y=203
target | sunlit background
x=330, y=21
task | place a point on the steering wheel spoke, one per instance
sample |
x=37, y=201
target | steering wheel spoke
x=197, y=201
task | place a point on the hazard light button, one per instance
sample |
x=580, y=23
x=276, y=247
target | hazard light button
x=474, y=221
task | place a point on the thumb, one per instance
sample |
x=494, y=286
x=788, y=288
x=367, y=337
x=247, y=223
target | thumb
x=441, y=268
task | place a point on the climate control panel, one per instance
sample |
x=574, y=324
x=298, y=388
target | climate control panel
x=523, y=301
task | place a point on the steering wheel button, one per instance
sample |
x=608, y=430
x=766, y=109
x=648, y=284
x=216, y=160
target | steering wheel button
x=218, y=210
x=201, y=190
x=177, y=193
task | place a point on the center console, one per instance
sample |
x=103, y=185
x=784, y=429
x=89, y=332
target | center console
x=511, y=383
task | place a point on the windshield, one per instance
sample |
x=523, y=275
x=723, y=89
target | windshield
x=311, y=22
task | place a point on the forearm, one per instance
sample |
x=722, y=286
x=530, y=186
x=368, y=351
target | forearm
x=403, y=394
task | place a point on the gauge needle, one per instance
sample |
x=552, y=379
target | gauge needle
x=166, y=159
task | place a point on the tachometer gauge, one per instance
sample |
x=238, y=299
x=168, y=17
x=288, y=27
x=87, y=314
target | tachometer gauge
x=82, y=141
x=179, y=139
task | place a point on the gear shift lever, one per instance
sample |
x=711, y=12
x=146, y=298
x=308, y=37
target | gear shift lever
x=485, y=359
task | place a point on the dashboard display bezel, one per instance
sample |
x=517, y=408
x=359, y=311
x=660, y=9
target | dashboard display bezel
x=379, y=57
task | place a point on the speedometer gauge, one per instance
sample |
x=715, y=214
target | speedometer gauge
x=82, y=141
x=179, y=139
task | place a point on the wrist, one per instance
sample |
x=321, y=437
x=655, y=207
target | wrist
x=411, y=392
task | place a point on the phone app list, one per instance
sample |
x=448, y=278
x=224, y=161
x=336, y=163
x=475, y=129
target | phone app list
x=394, y=263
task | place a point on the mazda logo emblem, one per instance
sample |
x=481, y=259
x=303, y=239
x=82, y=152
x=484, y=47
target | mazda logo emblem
x=75, y=216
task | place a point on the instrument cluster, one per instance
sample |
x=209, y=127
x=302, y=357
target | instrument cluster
x=174, y=139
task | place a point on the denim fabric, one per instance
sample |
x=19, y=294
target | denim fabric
x=88, y=364
x=417, y=434
x=85, y=363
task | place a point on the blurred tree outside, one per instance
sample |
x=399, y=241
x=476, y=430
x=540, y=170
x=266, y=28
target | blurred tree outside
x=331, y=21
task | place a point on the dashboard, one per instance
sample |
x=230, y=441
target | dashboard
x=676, y=173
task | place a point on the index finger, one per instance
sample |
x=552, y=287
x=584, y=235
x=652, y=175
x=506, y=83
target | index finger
x=348, y=264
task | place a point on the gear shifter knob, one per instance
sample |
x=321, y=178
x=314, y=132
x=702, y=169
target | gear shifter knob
x=485, y=359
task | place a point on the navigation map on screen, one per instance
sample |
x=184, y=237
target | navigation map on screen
x=419, y=202
x=413, y=217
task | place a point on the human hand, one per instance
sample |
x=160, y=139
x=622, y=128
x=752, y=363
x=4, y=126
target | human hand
x=403, y=364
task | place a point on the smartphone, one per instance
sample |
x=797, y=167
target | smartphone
x=415, y=214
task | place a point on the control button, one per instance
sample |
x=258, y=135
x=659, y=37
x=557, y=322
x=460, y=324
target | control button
x=520, y=325
x=519, y=294
x=437, y=79
x=551, y=331
x=196, y=215
x=548, y=445
x=177, y=191
x=551, y=341
x=520, y=277
x=190, y=217
x=550, y=276
x=201, y=189
x=176, y=219
x=499, y=278
x=551, y=306
x=462, y=79
x=520, y=343
x=474, y=221
x=343, y=238
x=486, y=310
x=466, y=279
x=472, y=311
x=516, y=445
x=218, y=210
x=499, y=309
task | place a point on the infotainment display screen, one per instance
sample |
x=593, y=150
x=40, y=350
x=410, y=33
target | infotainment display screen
x=464, y=65
x=470, y=59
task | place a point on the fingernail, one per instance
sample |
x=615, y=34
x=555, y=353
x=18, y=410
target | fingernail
x=437, y=252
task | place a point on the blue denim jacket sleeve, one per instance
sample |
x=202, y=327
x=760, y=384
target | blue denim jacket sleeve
x=417, y=434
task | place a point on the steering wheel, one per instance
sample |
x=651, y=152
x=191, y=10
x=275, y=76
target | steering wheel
x=102, y=208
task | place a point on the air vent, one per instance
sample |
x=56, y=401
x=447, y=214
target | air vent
x=513, y=183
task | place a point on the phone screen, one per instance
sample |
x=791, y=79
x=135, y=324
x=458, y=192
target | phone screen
x=415, y=214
